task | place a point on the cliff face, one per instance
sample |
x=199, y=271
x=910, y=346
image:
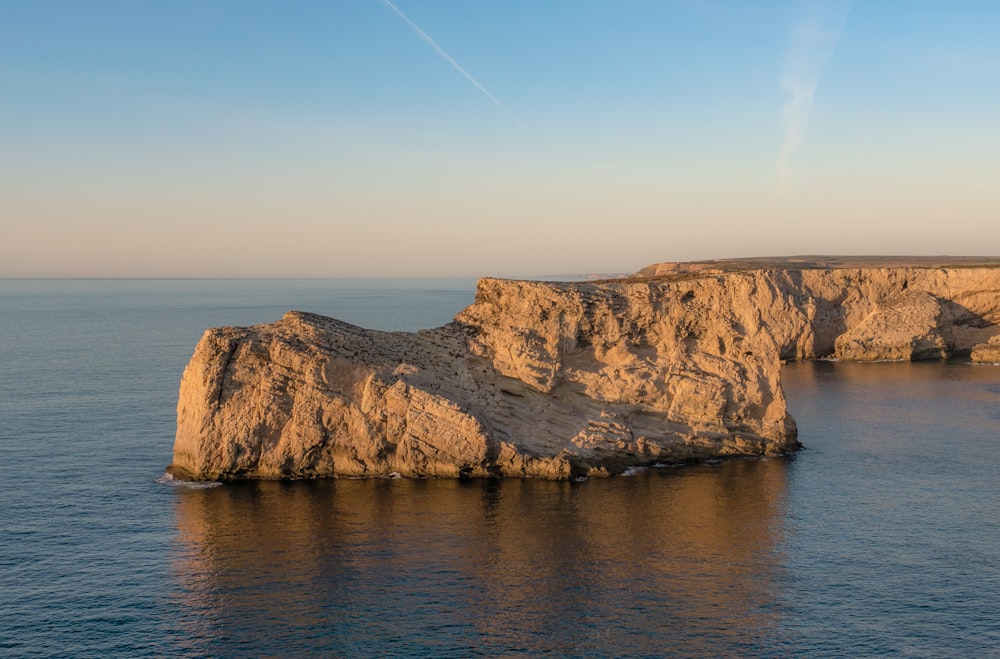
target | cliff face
x=560, y=379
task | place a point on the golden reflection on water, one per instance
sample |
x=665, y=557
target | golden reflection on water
x=688, y=557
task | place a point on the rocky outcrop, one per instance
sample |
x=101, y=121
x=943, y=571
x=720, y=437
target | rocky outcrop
x=902, y=328
x=557, y=380
x=987, y=352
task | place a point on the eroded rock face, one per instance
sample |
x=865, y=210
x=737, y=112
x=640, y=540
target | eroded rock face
x=556, y=380
x=987, y=352
x=903, y=328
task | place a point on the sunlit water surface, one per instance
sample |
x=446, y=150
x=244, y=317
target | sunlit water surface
x=880, y=539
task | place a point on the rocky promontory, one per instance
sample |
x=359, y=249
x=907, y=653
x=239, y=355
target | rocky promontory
x=680, y=362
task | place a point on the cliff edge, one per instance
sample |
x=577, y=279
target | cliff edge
x=557, y=380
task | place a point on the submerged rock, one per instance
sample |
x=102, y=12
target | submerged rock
x=557, y=380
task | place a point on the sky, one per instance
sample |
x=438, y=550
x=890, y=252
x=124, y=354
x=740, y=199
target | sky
x=357, y=138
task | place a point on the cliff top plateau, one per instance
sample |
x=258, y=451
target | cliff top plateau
x=813, y=262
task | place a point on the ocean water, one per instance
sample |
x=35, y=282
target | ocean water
x=881, y=538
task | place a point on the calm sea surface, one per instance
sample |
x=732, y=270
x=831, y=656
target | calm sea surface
x=882, y=538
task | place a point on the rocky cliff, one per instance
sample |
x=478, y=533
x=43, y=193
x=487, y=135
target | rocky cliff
x=556, y=380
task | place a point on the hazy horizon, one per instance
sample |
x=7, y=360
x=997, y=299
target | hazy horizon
x=409, y=138
x=897, y=259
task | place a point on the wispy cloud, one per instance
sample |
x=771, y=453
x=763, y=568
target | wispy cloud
x=813, y=42
x=446, y=57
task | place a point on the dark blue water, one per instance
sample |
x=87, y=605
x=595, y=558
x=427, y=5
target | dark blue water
x=880, y=539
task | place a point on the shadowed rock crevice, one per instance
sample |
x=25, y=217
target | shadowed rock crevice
x=557, y=380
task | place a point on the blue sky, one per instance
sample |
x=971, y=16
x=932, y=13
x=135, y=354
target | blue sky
x=513, y=138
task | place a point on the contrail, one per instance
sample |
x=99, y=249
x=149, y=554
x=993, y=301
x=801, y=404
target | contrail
x=813, y=44
x=448, y=58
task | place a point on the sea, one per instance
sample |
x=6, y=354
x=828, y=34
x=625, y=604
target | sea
x=880, y=538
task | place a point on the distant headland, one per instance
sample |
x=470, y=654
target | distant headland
x=813, y=262
x=679, y=362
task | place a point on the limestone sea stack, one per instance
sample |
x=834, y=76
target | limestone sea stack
x=555, y=380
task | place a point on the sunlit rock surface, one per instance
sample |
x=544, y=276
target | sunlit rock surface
x=557, y=380
x=987, y=352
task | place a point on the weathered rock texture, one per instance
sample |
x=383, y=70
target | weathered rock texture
x=987, y=352
x=556, y=380
x=903, y=328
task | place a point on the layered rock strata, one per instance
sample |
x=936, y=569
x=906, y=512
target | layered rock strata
x=557, y=380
